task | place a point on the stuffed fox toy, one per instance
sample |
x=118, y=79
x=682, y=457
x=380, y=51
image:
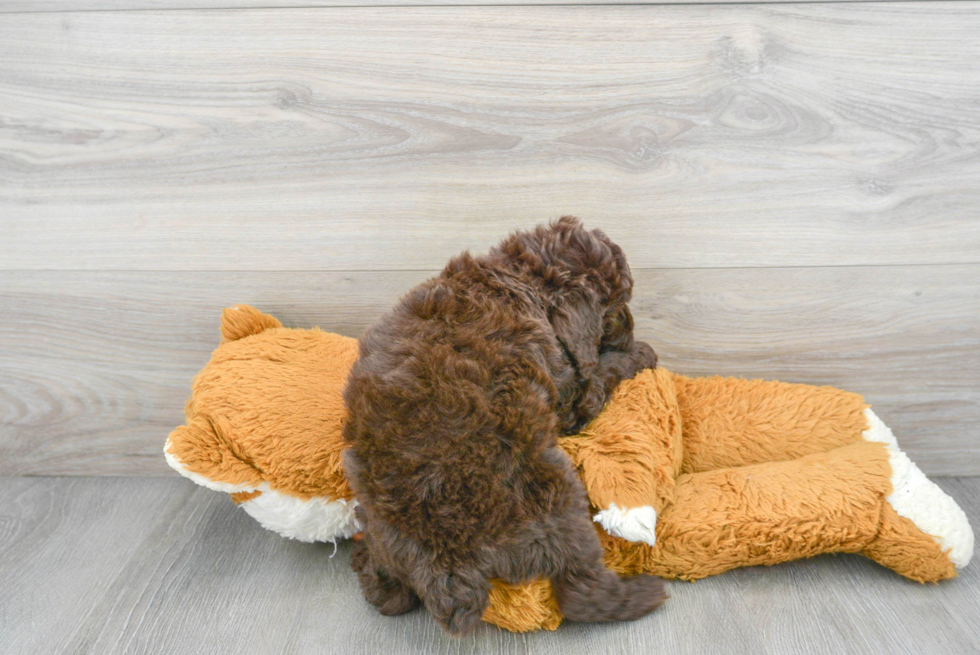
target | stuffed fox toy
x=687, y=477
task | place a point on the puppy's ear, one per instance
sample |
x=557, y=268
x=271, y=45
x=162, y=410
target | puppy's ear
x=617, y=271
x=578, y=327
x=617, y=330
x=624, y=278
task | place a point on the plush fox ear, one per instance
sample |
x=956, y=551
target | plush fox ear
x=242, y=321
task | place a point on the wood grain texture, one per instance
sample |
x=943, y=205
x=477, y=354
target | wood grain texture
x=966, y=491
x=372, y=138
x=97, y=365
x=64, y=545
x=108, y=565
x=33, y=6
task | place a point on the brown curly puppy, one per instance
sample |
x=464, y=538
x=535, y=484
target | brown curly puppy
x=455, y=404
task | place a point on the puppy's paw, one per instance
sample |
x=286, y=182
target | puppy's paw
x=458, y=601
x=463, y=620
x=645, y=356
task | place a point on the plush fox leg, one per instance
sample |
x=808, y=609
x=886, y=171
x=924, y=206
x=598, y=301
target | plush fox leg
x=729, y=422
x=629, y=455
x=764, y=514
x=838, y=501
x=735, y=422
x=660, y=424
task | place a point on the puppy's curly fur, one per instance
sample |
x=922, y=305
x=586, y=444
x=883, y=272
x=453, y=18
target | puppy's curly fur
x=455, y=404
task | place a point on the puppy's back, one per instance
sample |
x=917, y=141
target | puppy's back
x=450, y=406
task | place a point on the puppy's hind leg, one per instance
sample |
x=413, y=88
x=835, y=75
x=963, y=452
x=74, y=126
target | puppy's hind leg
x=388, y=594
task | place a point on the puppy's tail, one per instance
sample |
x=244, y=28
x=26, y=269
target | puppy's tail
x=599, y=594
x=585, y=589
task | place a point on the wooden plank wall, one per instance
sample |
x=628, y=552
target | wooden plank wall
x=797, y=187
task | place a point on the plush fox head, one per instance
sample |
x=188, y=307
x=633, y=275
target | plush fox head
x=264, y=424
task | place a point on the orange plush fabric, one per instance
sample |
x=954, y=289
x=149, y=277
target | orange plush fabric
x=631, y=453
x=734, y=472
x=736, y=422
x=268, y=409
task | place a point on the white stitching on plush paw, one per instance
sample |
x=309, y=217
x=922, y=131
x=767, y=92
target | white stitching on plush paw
x=636, y=524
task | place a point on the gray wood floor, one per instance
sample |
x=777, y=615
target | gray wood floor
x=123, y=565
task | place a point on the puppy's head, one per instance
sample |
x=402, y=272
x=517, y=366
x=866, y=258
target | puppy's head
x=590, y=255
